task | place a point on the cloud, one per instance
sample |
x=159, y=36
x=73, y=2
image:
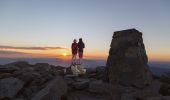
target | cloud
x=29, y=48
x=14, y=54
x=2, y=52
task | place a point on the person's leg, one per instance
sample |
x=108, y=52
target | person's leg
x=73, y=58
x=80, y=57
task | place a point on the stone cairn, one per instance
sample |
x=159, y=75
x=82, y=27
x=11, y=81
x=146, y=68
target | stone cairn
x=127, y=60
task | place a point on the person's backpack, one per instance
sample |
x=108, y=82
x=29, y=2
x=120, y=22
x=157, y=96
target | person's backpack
x=81, y=45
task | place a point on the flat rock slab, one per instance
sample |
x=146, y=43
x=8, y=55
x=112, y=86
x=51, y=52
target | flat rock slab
x=9, y=87
x=70, y=76
x=82, y=95
x=81, y=83
x=18, y=99
x=82, y=79
x=104, y=88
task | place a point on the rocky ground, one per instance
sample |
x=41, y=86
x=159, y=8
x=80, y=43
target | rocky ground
x=23, y=81
x=41, y=81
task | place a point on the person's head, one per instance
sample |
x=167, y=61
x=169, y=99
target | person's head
x=80, y=40
x=74, y=40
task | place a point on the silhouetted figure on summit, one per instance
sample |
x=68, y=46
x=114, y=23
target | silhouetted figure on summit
x=76, y=66
x=74, y=48
x=81, y=46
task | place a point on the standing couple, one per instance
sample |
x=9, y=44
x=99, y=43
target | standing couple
x=77, y=48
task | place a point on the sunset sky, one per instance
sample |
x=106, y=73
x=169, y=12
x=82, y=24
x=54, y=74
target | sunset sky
x=46, y=28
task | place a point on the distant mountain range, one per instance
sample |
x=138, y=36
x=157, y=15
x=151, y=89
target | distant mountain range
x=54, y=61
x=157, y=68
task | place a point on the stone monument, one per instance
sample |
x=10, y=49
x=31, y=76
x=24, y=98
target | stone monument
x=127, y=63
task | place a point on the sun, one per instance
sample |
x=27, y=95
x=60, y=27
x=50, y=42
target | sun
x=64, y=54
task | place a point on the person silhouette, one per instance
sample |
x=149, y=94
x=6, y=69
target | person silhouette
x=74, y=48
x=81, y=46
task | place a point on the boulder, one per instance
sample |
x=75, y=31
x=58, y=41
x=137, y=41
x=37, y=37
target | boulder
x=100, y=70
x=69, y=80
x=83, y=95
x=81, y=83
x=18, y=65
x=9, y=87
x=154, y=98
x=127, y=96
x=166, y=97
x=18, y=99
x=165, y=89
x=53, y=91
x=119, y=92
x=9, y=68
x=27, y=93
x=165, y=78
x=127, y=60
x=152, y=89
x=70, y=76
x=104, y=88
x=145, y=94
x=29, y=76
x=23, y=70
x=57, y=70
x=5, y=75
x=42, y=67
x=91, y=72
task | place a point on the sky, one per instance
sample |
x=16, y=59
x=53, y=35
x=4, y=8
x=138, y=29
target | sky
x=46, y=28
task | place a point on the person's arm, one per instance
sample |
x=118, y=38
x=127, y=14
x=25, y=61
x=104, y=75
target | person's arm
x=83, y=45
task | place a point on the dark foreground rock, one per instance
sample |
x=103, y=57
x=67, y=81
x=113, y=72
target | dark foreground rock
x=53, y=91
x=165, y=86
x=48, y=86
x=21, y=80
x=9, y=87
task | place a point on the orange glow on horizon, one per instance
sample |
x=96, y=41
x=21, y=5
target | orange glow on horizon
x=159, y=57
x=88, y=54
